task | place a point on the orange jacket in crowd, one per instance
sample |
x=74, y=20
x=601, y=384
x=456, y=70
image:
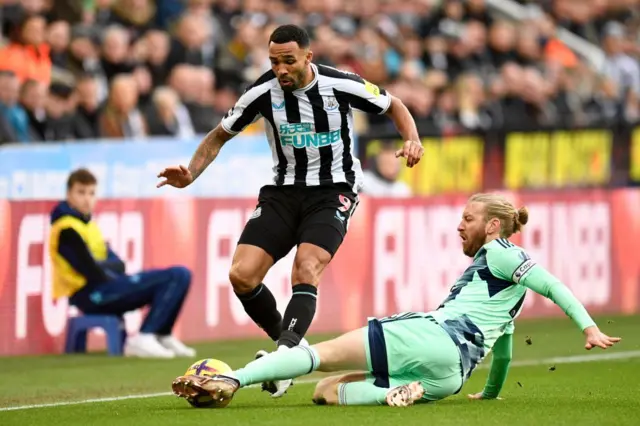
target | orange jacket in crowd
x=27, y=62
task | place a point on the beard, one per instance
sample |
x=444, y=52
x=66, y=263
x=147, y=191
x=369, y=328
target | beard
x=295, y=81
x=474, y=244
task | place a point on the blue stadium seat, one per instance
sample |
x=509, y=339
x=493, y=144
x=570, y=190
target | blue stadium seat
x=112, y=325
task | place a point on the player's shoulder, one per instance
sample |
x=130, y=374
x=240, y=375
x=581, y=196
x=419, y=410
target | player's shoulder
x=501, y=245
x=264, y=82
x=345, y=76
x=508, y=260
x=502, y=248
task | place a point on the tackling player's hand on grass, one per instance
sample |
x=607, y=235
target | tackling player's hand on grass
x=480, y=395
x=176, y=176
x=412, y=151
x=595, y=337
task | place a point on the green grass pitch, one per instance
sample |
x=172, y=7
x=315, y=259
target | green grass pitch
x=579, y=390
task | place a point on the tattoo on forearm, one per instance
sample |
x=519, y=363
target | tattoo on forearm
x=207, y=151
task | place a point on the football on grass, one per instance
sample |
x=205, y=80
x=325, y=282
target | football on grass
x=206, y=367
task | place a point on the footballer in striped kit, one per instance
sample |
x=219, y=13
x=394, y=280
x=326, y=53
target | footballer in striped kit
x=309, y=125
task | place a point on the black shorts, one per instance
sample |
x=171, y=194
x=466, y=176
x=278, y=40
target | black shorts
x=287, y=216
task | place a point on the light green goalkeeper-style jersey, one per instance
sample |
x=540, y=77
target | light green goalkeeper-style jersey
x=489, y=295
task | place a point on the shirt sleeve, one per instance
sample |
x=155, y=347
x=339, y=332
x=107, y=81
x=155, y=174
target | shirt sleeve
x=500, y=362
x=245, y=111
x=510, y=264
x=511, y=328
x=514, y=264
x=543, y=282
x=366, y=96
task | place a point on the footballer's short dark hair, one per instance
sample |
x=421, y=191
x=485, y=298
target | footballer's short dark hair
x=288, y=33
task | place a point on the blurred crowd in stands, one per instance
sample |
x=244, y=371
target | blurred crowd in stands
x=87, y=69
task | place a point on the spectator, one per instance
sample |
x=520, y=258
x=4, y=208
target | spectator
x=88, y=106
x=169, y=117
x=513, y=108
x=116, y=57
x=144, y=85
x=157, y=53
x=120, y=117
x=528, y=50
x=137, y=16
x=27, y=54
x=473, y=115
x=33, y=99
x=15, y=123
x=619, y=66
x=59, y=38
x=94, y=278
x=84, y=53
x=101, y=15
x=190, y=43
x=231, y=59
x=61, y=121
x=502, y=40
x=381, y=178
x=194, y=86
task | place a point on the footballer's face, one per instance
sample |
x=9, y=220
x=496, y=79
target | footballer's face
x=290, y=63
x=473, y=228
x=82, y=197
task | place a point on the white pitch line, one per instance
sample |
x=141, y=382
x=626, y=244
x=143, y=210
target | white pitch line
x=575, y=359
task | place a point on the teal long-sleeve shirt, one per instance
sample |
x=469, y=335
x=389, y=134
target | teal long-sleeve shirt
x=544, y=283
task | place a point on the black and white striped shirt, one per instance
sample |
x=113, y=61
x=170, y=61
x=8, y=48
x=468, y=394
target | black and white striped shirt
x=310, y=130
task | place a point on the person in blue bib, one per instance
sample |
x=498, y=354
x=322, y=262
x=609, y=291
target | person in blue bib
x=93, y=277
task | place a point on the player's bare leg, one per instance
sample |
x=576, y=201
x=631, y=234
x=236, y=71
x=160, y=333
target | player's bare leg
x=326, y=392
x=309, y=264
x=352, y=389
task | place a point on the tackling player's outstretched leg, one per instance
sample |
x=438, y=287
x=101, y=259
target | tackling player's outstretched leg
x=347, y=352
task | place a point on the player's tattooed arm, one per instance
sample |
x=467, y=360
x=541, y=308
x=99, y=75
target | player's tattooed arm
x=208, y=150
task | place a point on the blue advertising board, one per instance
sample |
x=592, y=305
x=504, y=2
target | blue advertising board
x=128, y=169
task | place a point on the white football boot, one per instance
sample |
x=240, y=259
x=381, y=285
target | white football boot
x=403, y=396
x=146, y=345
x=278, y=388
x=176, y=346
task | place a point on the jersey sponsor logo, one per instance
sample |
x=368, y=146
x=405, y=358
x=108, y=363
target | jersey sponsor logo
x=277, y=106
x=372, y=88
x=303, y=135
x=522, y=270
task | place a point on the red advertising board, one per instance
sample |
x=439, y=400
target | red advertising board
x=399, y=255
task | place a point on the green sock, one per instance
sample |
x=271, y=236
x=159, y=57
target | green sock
x=279, y=365
x=361, y=393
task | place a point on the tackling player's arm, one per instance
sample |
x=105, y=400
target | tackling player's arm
x=501, y=360
x=543, y=282
x=245, y=112
x=516, y=266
